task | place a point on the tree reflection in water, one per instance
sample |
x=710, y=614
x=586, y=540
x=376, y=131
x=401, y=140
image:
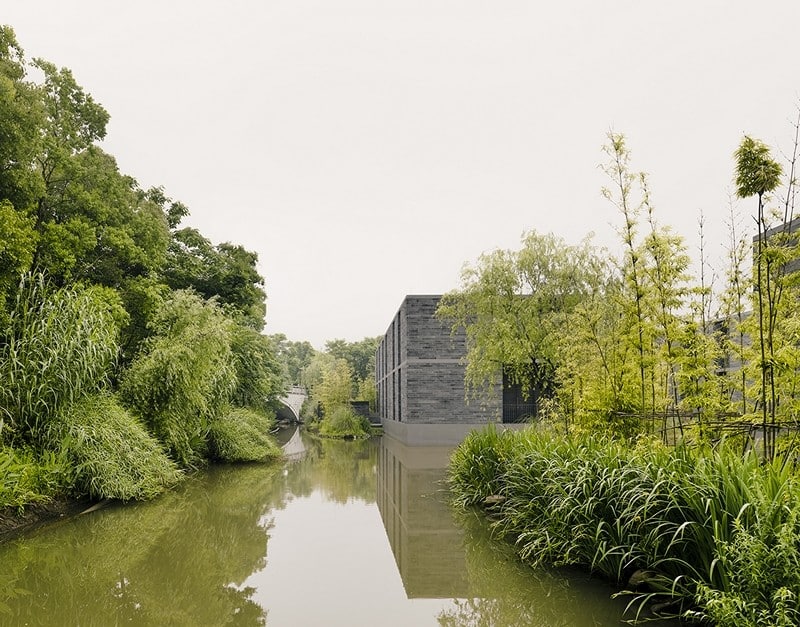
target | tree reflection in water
x=178, y=560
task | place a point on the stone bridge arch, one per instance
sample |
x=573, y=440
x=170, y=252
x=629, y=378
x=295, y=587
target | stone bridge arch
x=291, y=403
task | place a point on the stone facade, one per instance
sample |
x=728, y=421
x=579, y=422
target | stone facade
x=419, y=373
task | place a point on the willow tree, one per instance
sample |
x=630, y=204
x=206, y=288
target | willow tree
x=515, y=306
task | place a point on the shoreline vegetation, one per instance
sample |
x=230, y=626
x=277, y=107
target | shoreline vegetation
x=701, y=533
x=643, y=369
x=131, y=347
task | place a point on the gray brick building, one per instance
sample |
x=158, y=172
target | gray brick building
x=419, y=374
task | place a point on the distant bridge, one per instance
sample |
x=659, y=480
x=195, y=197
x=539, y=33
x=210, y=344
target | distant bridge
x=290, y=405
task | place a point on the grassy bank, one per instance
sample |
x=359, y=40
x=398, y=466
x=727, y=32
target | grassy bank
x=73, y=424
x=705, y=534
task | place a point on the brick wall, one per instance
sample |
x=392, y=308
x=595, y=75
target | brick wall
x=420, y=371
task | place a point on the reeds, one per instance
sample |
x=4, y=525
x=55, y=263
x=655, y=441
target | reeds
x=670, y=522
x=59, y=347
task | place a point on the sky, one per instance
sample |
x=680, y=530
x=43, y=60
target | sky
x=368, y=149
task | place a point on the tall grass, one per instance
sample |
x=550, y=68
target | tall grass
x=59, y=347
x=242, y=435
x=111, y=453
x=671, y=521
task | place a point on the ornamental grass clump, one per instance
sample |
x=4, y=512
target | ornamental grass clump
x=242, y=435
x=711, y=533
x=111, y=453
x=59, y=347
x=477, y=467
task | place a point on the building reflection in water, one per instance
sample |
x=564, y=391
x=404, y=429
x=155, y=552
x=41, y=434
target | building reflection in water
x=428, y=547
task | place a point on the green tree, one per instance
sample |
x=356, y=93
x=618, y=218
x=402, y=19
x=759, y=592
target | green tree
x=359, y=355
x=336, y=386
x=21, y=126
x=633, y=274
x=73, y=122
x=733, y=312
x=16, y=250
x=294, y=356
x=259, y=376
x=226, y=271
x=758, y=174
x=513, y=306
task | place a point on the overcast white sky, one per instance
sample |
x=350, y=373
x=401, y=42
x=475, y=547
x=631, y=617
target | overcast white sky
x=367, y=149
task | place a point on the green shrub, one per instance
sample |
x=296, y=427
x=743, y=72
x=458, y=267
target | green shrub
x=343, y=422
x=59, y=347
x=112, y=454
x=242, y=435
x=26, y=477
x=183, y=376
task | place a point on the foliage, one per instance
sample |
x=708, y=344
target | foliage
x=294, y=356
x=776, y=356
x=21, y=122
x=111, y=253
x=111, y=452
x=695, y=525
x=28, y=477
x=477, y=466
x=184, y=374
x=16, y=251
x=258, y=374
x=368, y=391
x=242, y=435
x=336, y=385
x=59, y=347
x=757, y=173
x=513, y=306
x=360, y=356
x=225, y=271
x=343, y=422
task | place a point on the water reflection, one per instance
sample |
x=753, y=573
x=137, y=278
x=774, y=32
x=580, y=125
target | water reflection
x=179, y=560
x=296, y=543
x=441, y=554
x=418, y=520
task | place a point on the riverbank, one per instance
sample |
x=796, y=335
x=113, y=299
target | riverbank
x=13, y=523
x=268, y=528
x=709, y=535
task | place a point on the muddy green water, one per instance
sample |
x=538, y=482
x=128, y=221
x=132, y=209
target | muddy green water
x=348, y=533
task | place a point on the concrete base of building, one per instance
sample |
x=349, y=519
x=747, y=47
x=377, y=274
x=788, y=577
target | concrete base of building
x=448, y=434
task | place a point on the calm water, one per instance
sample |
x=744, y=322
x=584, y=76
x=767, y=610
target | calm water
x=349, y=533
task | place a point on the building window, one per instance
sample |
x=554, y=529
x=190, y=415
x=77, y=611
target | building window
x=517, y=405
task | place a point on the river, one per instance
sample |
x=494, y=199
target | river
x=345, y=533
